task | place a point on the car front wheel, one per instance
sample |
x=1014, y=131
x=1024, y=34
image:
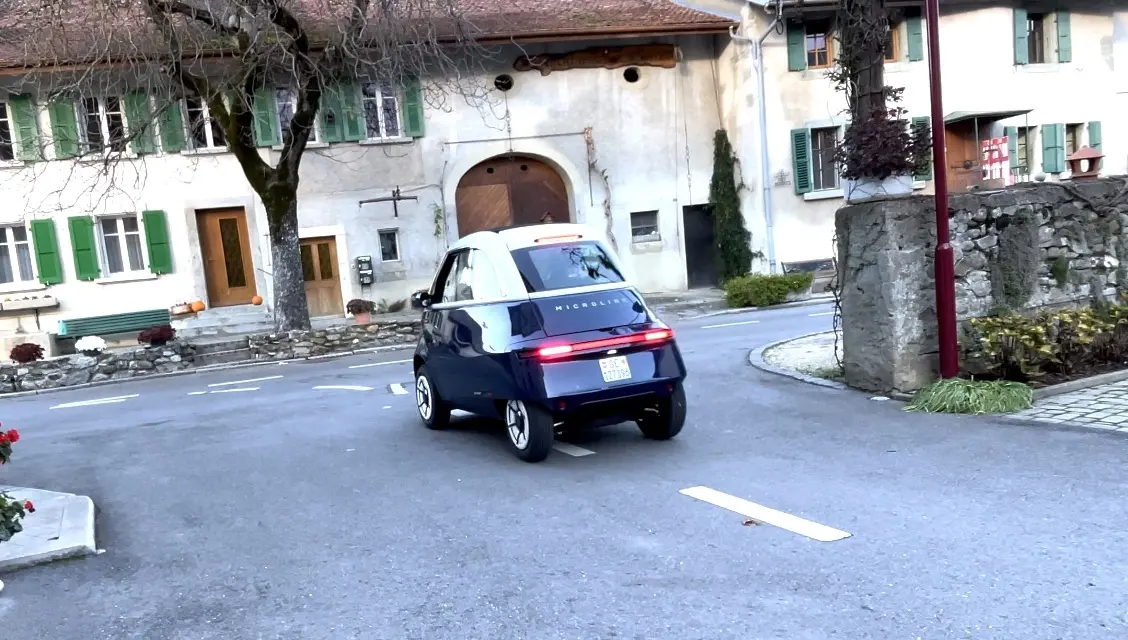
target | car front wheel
x=668, y=419
x=530, y=429
x=432, y=410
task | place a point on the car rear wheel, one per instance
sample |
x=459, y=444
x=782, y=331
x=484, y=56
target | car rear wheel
x=531, y=431
x=669, y=418
x=432, y=410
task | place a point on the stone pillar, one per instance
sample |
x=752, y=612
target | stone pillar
x=885, y=249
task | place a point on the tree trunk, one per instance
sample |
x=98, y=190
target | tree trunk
x=291, y=311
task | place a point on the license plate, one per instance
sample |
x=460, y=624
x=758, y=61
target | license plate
x=615, y=369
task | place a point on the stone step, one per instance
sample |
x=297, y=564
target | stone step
x=222, y=357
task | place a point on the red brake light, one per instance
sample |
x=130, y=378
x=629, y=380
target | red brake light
x=606, y=343
x=567, y=238
x=661, y=334
x=560, y=350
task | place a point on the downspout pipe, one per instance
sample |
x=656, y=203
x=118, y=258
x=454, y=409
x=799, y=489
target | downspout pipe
x=765, y=167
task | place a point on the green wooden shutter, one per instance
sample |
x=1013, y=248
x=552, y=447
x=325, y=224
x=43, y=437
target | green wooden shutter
x=1012, y=147
x=266, y=118
x=82, y=245
x=46, y=251
x=1053, y=148
x=353, y=122
x=172, y=129
x=331, y=114
x=796, y=46
x=1064, y=37
x=917, y=123
x=64, y=128
x=1021, y=37
x=26, y=131
x=801, y=160
x=139, y=119
x=156, y=235
x=1095, y=134
x=413, y=109
x=914, y=25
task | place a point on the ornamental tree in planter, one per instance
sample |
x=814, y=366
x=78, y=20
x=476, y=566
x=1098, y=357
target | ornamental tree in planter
x=880, y=151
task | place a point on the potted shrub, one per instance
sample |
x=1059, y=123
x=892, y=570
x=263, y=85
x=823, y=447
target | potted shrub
x=90, y=345
x=361, y=310
x=26, y=352
x=157, y=336
x=11, y=511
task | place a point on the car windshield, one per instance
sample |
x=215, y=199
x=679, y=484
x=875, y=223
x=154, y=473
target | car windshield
x=564, y=266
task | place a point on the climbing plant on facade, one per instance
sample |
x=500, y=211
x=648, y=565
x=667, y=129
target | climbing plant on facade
x=734, y=243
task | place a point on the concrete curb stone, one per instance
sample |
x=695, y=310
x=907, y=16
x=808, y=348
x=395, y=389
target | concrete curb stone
x=756, y=359
x=61, y=527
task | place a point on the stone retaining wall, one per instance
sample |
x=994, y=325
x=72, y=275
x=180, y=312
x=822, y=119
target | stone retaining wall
x=67, y=371
x=303, y=344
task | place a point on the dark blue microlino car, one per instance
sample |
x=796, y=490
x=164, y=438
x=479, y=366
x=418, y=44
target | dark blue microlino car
x=537, y=326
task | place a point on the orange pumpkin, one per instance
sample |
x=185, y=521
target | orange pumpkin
x=198, y=306
x=257, y=300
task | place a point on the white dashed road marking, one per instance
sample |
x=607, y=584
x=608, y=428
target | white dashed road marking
x=397, y=389
x=234, y=382
x=237, y=390
x=730, y=324
x=378, y=364
x=794, y=524
x=344, y=387
x=823, y=313
x=90, y=403
x=572, y=450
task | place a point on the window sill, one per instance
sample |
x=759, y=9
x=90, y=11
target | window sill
x=825, y=194
x=12, y=164
x=647, y=244
x=136, y=276
x=209, y=151
x=818, y=73
x=21, y=287
x=376, y=142
x=108, y=157
x=1040, y=67
x=309, y=145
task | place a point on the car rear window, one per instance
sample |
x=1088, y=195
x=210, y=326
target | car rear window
x=564, y=266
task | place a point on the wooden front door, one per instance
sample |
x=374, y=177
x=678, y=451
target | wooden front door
x=965, y=157
x=322, y=280
x=510, y=190
x=226, y=249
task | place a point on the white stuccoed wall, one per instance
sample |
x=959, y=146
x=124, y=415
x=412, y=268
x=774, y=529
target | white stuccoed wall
x=653, y=138
x=978, y=74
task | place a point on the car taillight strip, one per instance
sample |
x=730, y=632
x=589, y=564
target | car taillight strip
x=555, y=351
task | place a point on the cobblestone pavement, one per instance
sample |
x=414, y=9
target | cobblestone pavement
x=1103, y=407
x=813, y=355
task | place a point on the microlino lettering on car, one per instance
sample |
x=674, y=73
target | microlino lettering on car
x=595, y=303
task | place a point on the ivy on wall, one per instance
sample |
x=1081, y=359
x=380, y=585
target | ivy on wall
x=734, y=243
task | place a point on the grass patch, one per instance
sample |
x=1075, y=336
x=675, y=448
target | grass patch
x=833, y=372
x=974, y=397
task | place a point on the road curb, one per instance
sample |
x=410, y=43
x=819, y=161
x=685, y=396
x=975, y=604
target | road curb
x=72, y=538
x=787, y=305
x=208, y=369
x=756, y=359
x=1079, y=385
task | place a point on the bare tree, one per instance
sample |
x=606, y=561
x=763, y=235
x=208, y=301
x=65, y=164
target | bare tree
x=226, y=54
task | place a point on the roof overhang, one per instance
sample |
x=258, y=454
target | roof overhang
x=989, y=116
x=727, y=9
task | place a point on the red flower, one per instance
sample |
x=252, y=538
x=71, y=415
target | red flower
x=30, y=508
x=13, y=435
x=3, y=438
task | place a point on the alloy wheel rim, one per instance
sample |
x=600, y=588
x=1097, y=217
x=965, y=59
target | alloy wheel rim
x=517, y=424
x=423, y=397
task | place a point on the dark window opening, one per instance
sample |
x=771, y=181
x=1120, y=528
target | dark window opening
x=632, y=74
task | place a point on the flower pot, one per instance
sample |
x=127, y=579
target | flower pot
x=865, y=188
x=362, y=318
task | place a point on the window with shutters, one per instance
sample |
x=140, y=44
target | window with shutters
x=102, y=122
x=286, y=103
x=120, y=244
x=819, y=50
x=7, y=141
x=381, y=111
x=15, y=255
x=203, y=131
x=893, y=42
x=1036, y=37
x=1025, y=150
x=824, y=169
x=1073, y=137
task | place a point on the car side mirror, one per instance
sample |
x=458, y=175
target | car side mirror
x=421, y=299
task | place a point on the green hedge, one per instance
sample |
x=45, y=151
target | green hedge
x=759, y=290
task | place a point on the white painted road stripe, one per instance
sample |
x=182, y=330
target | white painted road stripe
x=824, y=313
x=235, y=390
x=397, y=389
x=378, y=364
x=344, y=387
x=572, y=450
x=794, y=524
x=227, y=384
x=88, y=403
x=730, y=324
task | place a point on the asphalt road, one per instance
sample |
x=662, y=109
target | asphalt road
x=241, y=504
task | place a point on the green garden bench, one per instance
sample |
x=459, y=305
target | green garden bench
x=116, y=323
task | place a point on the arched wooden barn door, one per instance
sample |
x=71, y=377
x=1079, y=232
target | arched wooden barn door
x=509, y=190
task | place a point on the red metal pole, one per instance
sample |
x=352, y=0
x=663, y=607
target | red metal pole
x=945, y=267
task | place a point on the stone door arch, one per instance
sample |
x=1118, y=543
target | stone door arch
x=508, y=190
